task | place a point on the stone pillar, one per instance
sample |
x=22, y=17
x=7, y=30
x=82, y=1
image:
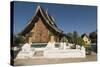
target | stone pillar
x=52, y=39
x=30, y=40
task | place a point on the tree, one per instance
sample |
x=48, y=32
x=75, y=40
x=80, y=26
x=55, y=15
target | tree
x=80, y=41
x=64, y=39
x=70, y=37
x=18, y=39
x=75, y=36
x=93, y=37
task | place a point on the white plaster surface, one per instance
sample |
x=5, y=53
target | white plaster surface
x=68, y=53
x=26, y=52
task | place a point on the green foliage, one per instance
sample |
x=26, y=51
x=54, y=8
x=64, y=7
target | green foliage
x=75, y=36
x=79, y=41
x=93, y=37
x=18, y=40
x=72, y=37
x=88, y=50
x=64, y=39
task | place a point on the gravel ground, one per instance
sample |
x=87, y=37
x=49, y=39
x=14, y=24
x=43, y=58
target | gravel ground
x=41, y=60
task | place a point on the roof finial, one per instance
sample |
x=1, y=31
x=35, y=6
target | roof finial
x=47, y=11
x=38, y=6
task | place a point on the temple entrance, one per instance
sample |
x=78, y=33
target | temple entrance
x=40, y=32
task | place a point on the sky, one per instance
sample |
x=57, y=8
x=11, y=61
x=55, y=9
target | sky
x=68, y=18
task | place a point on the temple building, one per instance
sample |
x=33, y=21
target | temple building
x=86, y=39
x=41, y=27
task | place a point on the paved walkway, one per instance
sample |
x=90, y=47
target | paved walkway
x=42, y=60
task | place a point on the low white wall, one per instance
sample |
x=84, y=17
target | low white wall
x=68, y=53
x=25, y=54
x=52, y=52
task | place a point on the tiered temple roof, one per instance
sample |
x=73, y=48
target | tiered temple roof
x=49, y=21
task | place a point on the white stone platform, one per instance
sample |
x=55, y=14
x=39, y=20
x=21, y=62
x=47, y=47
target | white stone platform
x=52, y=52
x=26, y=52
x=68, y=53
